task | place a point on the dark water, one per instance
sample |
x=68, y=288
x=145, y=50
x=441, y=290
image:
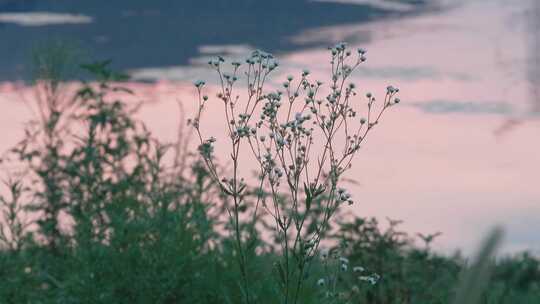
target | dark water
x=159, y=33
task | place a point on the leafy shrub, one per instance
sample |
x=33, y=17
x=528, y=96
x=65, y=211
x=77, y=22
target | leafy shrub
x=97, y=213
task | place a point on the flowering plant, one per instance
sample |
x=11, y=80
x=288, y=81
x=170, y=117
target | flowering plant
x=286, y=130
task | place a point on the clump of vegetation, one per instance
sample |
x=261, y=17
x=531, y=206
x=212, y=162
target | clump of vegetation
x=284, y=130
x=100, y=211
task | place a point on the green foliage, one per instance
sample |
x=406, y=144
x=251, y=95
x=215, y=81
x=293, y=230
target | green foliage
x=99, y=215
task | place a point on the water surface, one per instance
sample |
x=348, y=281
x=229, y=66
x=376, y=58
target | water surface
x=462, y=152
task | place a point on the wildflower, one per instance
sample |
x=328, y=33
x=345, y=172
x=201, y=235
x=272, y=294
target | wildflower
x=370, y=279
x=347, y=70
x=214, y=63
x=364, y=278
x=391, y=90
x=280, y=141
x=320, y=282
x=358, y=269
x=344, y=267
x=206, y=149
x=199, y=83
x=27, y=270
x=344, y=260
x=273, y=65
x=344, y=197
x=361, y=51
x=278, y=172
x=331, y=99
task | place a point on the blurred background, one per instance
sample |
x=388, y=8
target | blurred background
x=460, y=155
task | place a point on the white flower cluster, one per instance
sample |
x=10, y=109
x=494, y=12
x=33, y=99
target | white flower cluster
x=206, y=149
x=390, y=92
x=244, y=131
x=344, y=263
x=216, y=62
x=199, y=84
x=271, y=107
x=344, y=196
x=372, y=279
x=358, y=269
x=266, y=60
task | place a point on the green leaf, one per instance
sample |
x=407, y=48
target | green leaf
x=474, y=280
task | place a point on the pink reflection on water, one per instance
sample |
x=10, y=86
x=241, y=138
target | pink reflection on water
x=441, y=171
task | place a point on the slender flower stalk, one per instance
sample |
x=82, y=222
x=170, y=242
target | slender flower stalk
x=288, y=131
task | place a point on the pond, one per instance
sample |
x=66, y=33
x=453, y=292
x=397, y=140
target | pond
x=459, y=155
